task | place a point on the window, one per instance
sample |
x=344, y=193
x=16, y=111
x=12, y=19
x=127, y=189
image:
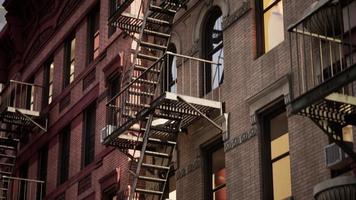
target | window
x=270, y=24
x=113, y=5
x=275, y=154
x=213, y=50
x=170, y=71
x=42, y=171
x=48, y=80
x=110, y=193
x=93, y=36
x=30, y=94
x=64, y=144
x=69, y=61
x=113, y=89
x=89, y=135
x=215, y=172
x=23, y=174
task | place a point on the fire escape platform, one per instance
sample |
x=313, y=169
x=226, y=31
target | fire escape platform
x=168, y=107
x=324, y=94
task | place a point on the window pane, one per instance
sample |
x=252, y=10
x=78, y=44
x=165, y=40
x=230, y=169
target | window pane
x=273, y=26
x=280, y=146
x=267, y=3
x=281, y=179
x=218, y=168
x=220, y=194
x=72, y=49
x=347, y=133
x=217, y=70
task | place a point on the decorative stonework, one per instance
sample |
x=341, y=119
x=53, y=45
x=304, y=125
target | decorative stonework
x=242, y=138
x=191, y=167
x=194, y=48
x=246, y=6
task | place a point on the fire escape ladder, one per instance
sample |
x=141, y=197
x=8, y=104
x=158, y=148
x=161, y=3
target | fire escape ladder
x=154, y=163
x=8, y=148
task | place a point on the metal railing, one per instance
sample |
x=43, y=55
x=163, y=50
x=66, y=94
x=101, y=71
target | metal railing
x=176, y=73
x=22, y=188
x=323, y=44
x=21, y=95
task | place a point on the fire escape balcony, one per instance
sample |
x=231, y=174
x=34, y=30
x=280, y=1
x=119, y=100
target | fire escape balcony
x=180, y=97
x=19, y=104
x=323, y=57
x=19, y=115
x=21, y=188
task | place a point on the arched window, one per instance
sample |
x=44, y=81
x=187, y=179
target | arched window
x=170, y=71
x=212, y=35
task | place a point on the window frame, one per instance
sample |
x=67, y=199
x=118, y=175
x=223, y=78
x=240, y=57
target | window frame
x=68, y=60
x=93, y=32
x=42, y=171
x=207, y=155
x=265, y=117
x=63, y=155
x=208, y=50
x=47, y=97
x=88, y=135
x=260, y=12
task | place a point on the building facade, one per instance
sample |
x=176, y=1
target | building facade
x=218, y=84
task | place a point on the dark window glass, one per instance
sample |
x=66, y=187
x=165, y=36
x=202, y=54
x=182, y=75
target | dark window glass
x=110, y=193
x=270, y=24
x=113, y=5
x=276, y=158
x=89, y=135
x=23, y=174
x=69, y=61
x=64, y=145
x=113, y=89
x=42, y=172
x=215, y=179
x=93, y=34
x=213, y=50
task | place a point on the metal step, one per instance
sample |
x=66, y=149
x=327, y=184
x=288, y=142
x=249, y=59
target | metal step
x=145, y=81
x=141, y=93
x=137, y=105
x=152, y=179
x=153, y=46
x=7, y=164
x=157, y=154
x=162, y=142
x=7, y=156
x=5, y=173
x=155, y=9
x=147, y=57
x=158, y=21
x=156, y=33
x=148, y=191
x=155, y=166
x=142, y=68
x=7, y=147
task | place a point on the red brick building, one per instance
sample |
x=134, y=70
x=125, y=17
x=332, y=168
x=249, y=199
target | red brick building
x=175, y=99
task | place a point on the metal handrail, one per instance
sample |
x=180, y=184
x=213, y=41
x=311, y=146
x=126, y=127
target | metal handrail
x=23, y=179
x=153, y=65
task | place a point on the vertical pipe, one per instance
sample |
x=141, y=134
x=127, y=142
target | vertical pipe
x=198, y=80
x=304, y=68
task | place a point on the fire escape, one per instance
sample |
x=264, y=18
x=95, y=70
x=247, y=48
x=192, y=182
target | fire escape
x=19, y=116
x=324, y=68
x=145, y=117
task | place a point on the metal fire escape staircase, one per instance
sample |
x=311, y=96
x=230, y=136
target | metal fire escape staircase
x=18, y=117
x=325, y=68
x=145, y=119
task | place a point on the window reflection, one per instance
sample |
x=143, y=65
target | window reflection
x=218, y=175
x=273, y=23
x=280, y=159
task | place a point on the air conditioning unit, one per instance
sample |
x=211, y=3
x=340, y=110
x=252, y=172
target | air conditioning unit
x=106, y=131
x=335, y=157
